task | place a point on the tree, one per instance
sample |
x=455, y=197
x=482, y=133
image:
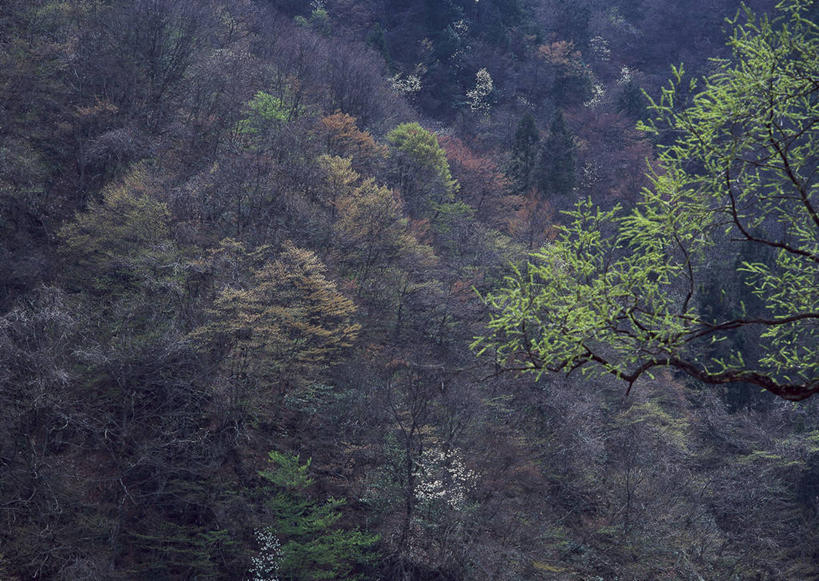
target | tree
x=524, y=154
x=371, y=233
x=617, y=292
x=478, y=98
x=137, y=55
x=483, y=184
x=313, y=546
x=279, y=328
x=345, y=139
x=532, y=223
x=557, y=160
x=122, y=243
x=420, y=168
x=133, y=377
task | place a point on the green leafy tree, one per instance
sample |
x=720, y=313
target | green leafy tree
x=420, y=168
x=617, y=292
x=313, y=546
x=263, y=109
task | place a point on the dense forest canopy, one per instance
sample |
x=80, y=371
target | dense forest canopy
x=246, y=248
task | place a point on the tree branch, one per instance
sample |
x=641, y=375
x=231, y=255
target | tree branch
x=735, y=215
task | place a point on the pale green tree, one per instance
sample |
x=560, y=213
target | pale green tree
x=618, y=292
x=420, y=169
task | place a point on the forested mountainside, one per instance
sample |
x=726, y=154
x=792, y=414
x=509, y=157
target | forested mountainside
x=261, y=269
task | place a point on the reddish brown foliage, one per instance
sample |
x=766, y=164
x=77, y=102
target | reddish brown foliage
x=345, y=139
x=483, y=185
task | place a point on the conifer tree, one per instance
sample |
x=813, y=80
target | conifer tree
x=313, y=546
x=556, y=163
x=524, y=154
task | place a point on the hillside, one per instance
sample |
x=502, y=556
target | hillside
x=245, y=247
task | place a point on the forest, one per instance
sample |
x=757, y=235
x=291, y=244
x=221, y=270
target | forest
x=409, y=290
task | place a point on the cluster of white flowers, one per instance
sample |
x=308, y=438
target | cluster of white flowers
x=267, y=562
x=598, y=94
x=626, y=75
x=600, y=48
x=408, y=85
x=483, y=88
x=590, y=174
x=461, y=28
x=443, y=476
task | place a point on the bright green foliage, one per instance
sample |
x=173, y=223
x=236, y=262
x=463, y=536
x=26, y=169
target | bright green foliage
x=264, y=112
x=288, y=472
x=421, y=168
x=615, y=292
x=313, y=547
x=266, y=108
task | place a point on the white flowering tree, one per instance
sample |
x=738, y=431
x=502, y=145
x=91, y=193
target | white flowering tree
x=478, y=97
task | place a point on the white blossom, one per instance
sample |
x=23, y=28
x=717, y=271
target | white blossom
x=483, y=88
x=266, y=563
x=600, y=48
x=443, y=476
x=598, y=93
x=408, y=85
x=626, y=75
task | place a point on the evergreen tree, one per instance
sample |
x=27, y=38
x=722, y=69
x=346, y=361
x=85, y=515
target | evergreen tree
x=556, y=163
x=312, y=545
x=524, y=154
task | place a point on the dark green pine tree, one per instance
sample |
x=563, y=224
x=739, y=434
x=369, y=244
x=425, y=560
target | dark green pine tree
x=524, y=154
x=555, y=171
x=312, y=545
